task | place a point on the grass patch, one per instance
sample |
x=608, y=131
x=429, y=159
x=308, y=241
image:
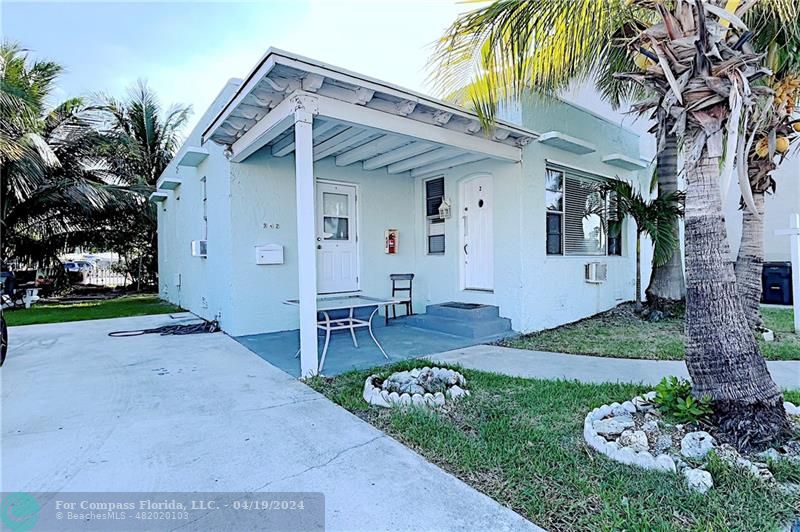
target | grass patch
x=785, y=470
x=621, y=333
x=520, y=442
x=125, y=306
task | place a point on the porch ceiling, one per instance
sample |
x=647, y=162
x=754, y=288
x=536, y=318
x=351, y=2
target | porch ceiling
x=360, y=120
x=374, y=149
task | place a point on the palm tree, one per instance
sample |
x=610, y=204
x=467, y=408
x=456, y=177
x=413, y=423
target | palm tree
x=704, y=79
x=54, y=182
x=143, y=138
x=509, y=47
x=149, y=133
x=654, y=218
x=782, y=45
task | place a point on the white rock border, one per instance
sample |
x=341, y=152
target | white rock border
x=376, y=396
x=626, y=455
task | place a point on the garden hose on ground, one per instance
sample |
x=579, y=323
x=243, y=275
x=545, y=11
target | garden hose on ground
x=168, y=330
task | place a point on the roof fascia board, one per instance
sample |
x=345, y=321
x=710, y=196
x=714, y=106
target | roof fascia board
x=340, y=74
x=275, y=56
x=263, y=68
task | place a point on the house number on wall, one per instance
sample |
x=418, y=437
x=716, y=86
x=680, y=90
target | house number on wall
x=271, y=226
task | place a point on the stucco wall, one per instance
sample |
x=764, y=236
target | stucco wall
x=263, y=191
x=553, y=290
x=253, y=203
x=439, y=276
x=205, y=283
x=777, y=208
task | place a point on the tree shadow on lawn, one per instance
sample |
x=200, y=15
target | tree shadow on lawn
x=520, y=441
x=621, y=333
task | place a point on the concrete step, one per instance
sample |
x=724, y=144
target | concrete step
x=458, y=327
x=464, y=311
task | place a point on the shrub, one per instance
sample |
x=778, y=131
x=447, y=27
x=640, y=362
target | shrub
x=674, y=398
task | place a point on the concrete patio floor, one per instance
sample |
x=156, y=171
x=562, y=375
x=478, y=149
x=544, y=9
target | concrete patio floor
x=85, y=412
x=399, y=340
x=543, y=365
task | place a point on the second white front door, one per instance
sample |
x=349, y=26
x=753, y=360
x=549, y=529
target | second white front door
x=337, y=245
x=477, y=233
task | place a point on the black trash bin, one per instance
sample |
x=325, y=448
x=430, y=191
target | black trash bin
x=776, y=282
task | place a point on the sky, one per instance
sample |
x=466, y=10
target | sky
x=187, y=50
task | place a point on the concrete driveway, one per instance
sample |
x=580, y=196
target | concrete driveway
x=85, y=412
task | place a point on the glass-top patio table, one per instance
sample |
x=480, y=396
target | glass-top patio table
x=327, y=304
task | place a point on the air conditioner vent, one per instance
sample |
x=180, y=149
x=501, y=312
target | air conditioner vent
x=199, y=248
x=595, y=272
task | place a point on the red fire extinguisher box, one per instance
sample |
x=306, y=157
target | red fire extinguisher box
x=390, y=241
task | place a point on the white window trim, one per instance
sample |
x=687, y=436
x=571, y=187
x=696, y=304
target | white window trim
x=429, y=220
x=553, y=166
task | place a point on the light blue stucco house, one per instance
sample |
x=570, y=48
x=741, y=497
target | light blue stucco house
x=296, y=177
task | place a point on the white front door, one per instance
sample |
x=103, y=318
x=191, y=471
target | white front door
x=337, y=246
x=477, y=234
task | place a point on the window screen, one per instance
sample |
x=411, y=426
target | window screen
x=576, y=216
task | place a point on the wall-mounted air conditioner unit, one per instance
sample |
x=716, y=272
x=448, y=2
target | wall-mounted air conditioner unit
x=595, y=272
x=199, y=248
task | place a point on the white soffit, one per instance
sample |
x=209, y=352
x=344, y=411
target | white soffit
x=562, y=141
x=625, y=162
x=192, y=156
x=158, y=197
x=281, y=74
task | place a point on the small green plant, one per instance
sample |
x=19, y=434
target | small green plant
x=785, y=470
x=674, y=398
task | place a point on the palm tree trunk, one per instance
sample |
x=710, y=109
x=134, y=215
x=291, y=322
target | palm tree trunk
x=722, y=355
x=749, y=263
x=667, y=281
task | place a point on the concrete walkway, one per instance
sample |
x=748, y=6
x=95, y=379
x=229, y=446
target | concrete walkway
x=542, y=365
x=85, y=412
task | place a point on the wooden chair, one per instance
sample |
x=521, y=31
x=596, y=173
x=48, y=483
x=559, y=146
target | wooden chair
x=401, y=288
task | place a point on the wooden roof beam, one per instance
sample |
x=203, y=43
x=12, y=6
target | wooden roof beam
x=371, y=149
x=404, y=152
x=458, y=160
x=335, y=144
x=421, y=160
x=286, y=146
x=390, y=123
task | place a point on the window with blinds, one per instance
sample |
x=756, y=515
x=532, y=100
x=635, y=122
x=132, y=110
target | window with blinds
x=434, y=195
x=577, y=215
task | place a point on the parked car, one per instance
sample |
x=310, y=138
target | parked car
x=78, y=266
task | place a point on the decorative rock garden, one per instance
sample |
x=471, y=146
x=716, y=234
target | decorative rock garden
x=429, y=387
x=636, y=433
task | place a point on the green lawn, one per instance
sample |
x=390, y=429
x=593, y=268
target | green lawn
x=620, y=333
x=520, y=442
x=135, y=305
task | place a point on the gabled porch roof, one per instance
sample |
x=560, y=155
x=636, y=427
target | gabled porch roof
x=357, y=119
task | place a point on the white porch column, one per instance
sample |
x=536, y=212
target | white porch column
x=794, y=236
x=304, y=110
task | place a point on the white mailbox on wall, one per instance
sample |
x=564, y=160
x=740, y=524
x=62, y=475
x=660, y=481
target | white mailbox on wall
x=269, y=254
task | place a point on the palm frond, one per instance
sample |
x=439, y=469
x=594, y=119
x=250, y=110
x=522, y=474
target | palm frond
x=655, y=218
x=497, y=52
